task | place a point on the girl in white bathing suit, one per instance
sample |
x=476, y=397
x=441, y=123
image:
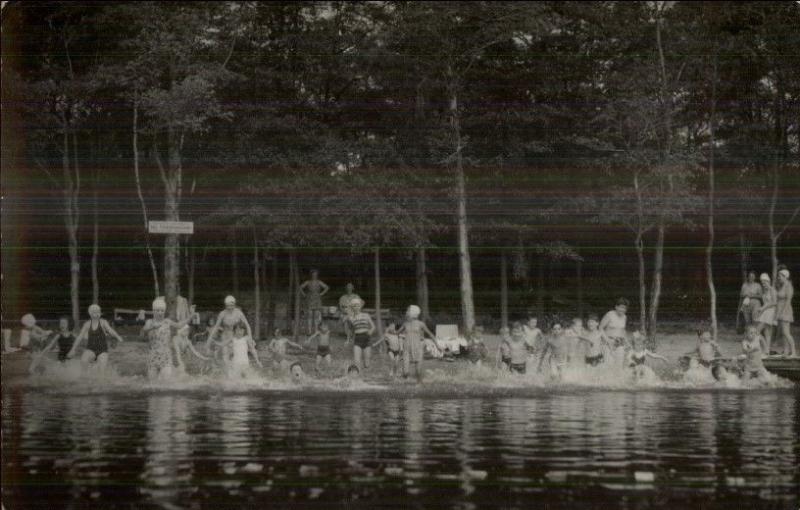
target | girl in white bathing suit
x=241, y=345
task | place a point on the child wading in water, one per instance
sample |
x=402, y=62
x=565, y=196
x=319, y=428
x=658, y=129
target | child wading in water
x=323, y=345
x=395, y=348
x=277, y=347
x=593, y=339
x=181, y=342
x=413, y=350
x=519, y=349
x=64, y=339
x=504, y=348
x=573, y=336
x=476, y=351
x=95, y=330
x=707, y=349
x=638, y=356
x=555, y=352
x=241, y=345
x=362, y=327
x=752, y=354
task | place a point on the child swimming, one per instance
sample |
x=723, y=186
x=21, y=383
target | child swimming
x=592, y=338
x=296, y=372
x=395, y=348
x=518, y=349
x=413, y=348
x=637, y=357
x=323, y=345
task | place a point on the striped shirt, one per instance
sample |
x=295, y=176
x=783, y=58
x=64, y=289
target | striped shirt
x=361, y=322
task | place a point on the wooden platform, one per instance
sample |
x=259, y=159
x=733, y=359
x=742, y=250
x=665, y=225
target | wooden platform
x=784, y=367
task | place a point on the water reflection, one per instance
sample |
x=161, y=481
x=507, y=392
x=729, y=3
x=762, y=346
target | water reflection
x=178, y=450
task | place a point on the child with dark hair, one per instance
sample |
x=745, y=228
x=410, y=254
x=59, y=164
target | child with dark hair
x=64, y=339
x=593, y=339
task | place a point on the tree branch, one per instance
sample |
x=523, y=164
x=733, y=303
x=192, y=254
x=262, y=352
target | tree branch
x=160, y=165
x=791, y=220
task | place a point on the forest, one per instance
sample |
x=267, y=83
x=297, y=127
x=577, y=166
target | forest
x=485, y=160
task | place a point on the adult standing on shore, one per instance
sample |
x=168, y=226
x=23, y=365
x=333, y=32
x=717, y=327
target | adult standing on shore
x=784, y=314
x=346, y=309
x=766, y=314
x=313, y=290
x=612, y=328
x=750, y=299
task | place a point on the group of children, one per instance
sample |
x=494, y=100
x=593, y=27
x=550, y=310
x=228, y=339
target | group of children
x=522, y=347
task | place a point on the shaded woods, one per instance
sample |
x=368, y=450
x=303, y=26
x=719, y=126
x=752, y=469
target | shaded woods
x=485, y=160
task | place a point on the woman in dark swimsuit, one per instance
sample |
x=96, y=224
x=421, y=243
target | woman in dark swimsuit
x=95, y=330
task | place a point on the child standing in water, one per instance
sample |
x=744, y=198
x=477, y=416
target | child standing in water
x=477, y=351
x=533, y=335
x=504, y=348
x=573, y=335
x=181, y=342
x=31, y=331
x=323, y=346
x=277, y=347
x=362, y=327
x=555, y=352
x=752, y=354
x=638, y=356
x=395, y=347
x=593, y=339
x=519, y=349
x=413, y=349
x=707, y=349
x=241, y=345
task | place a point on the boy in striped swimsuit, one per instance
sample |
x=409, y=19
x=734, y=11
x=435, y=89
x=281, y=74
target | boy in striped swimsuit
x=362, y=326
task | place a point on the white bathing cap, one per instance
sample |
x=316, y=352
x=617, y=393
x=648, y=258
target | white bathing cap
x=159, y=304
x=94, y=308
x=230, y=300
x=414, y=311
x=764, y=277
x=784, y=272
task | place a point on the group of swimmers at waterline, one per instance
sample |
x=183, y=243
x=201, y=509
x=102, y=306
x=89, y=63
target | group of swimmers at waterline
x=600, y=346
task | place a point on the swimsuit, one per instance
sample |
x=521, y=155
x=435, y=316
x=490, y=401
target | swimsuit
x=517, y=367
x=323, y=350
x=160, y=355
x=506, y=360
x=637, y=360
x=594, y=360
x=362, y=340
x=239, y=348
x=395, y=353
x=97, y=340
x=64, y=345
x=704, y=363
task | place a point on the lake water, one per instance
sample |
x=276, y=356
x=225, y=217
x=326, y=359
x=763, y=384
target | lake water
x=542, y=448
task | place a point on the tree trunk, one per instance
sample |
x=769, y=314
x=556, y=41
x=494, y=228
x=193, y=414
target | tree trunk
x=378, y=317
x=234, y=264
x=655, y=294
x=172, y=197
x=503, y=290
x=296, y=277
x=744, y=252
x=422, y=284
x=540, y=289
x=291, y=290
x=256, y=291
x=273, y=300
x=156, y=288
x=773, y=238
x=642, y=286
x=95, y=244
x=191, y=262
x=710, y=248
x=71, y=216
x=467, y=301
x=579, y=282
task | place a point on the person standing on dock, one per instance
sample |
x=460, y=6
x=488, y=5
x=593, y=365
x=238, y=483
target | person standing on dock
x=750, y=299
x=784, y=313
